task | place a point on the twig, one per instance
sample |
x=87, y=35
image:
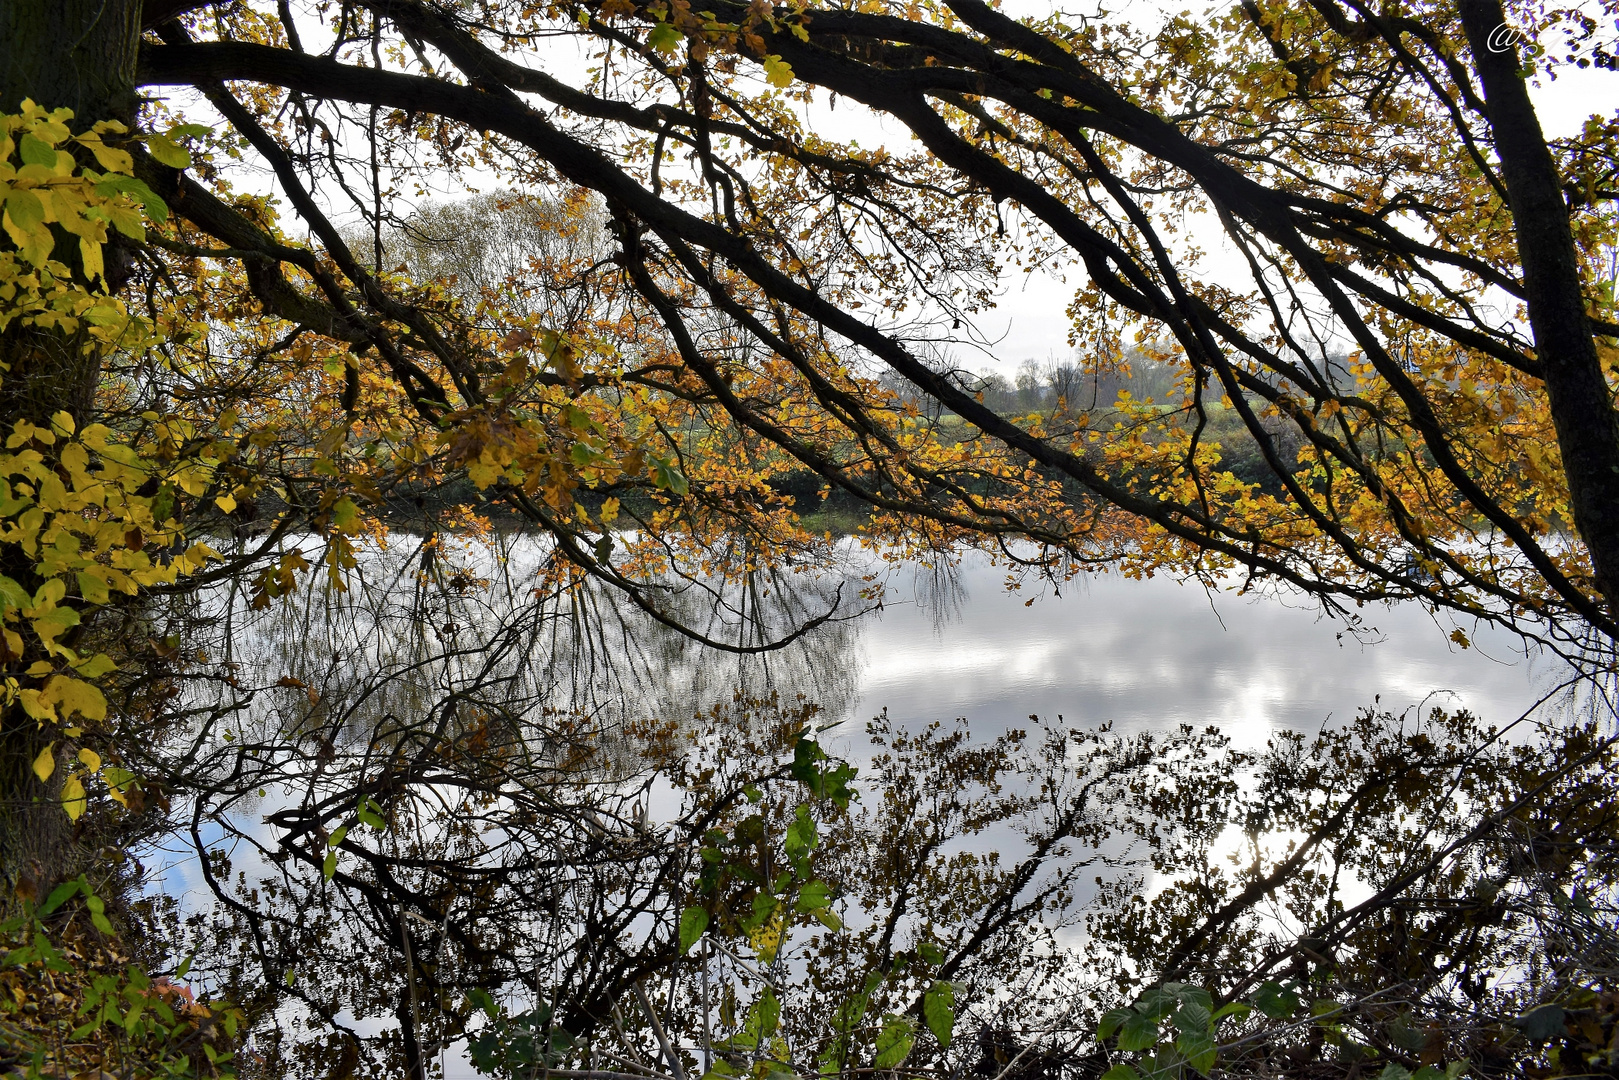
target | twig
x=657, y=1029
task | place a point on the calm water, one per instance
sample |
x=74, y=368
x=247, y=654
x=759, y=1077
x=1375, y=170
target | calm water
x=945, y=644
x=1156, y=653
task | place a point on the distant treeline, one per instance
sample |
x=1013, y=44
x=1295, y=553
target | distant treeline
x=1085, y=383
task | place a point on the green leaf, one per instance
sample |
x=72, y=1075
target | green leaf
x=329, y=867
x=370, y=813
x=930, y=953
x=48, y=952
x=693, y=921
x=665, y=38
x=93, y=588
x=1393, y=1071
x=814, y=895
x=1120, y=1072
x=56, y=622
x=14, y=595
x=167, y=151
x=667, y=476
x=25, y=208
x=1235, y=1008
x=939, y=1012
x=155, y=207
x=59, y=896
x=344, y=514
x=35, y=151
x=801, y=835
x=1276, y=1001
x=1197, y=1047
x=1194, y=995
x=1542, y=1022
x=1138, y=1032
x=337, y=837
x=1111, y=1021
x=1159, y=1001
x=894, y=1042
x=768, y=1012
x=1192, y=1018
x=163, y=504
x=480, y=998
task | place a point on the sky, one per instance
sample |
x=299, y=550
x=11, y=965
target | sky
x=1029, y=321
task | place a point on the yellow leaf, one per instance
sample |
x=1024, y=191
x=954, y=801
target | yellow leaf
x=73, y=799
x=108, y=157
x=127, y=221
x=91, y=759
x=90, y=252
x=77, y=696
x=45, y=763
x=95, y=667
x=226, y=503
x=48, y=596
x=778, y=72
x=35, y=243
x=34, y=705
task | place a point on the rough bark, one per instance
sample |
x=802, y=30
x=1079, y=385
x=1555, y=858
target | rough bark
x=77, y=53
x=1581, y=403
x=80, y=54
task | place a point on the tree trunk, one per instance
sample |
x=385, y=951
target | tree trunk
x=75, y=53
x=80, y=54
x=1581, y=403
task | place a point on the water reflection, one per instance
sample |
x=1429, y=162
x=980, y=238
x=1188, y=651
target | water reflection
x=424, y=623
x=355, y=696
x=426, y=620
x=1153, y=654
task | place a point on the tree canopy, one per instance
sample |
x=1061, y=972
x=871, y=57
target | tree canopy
x=1443, y=458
